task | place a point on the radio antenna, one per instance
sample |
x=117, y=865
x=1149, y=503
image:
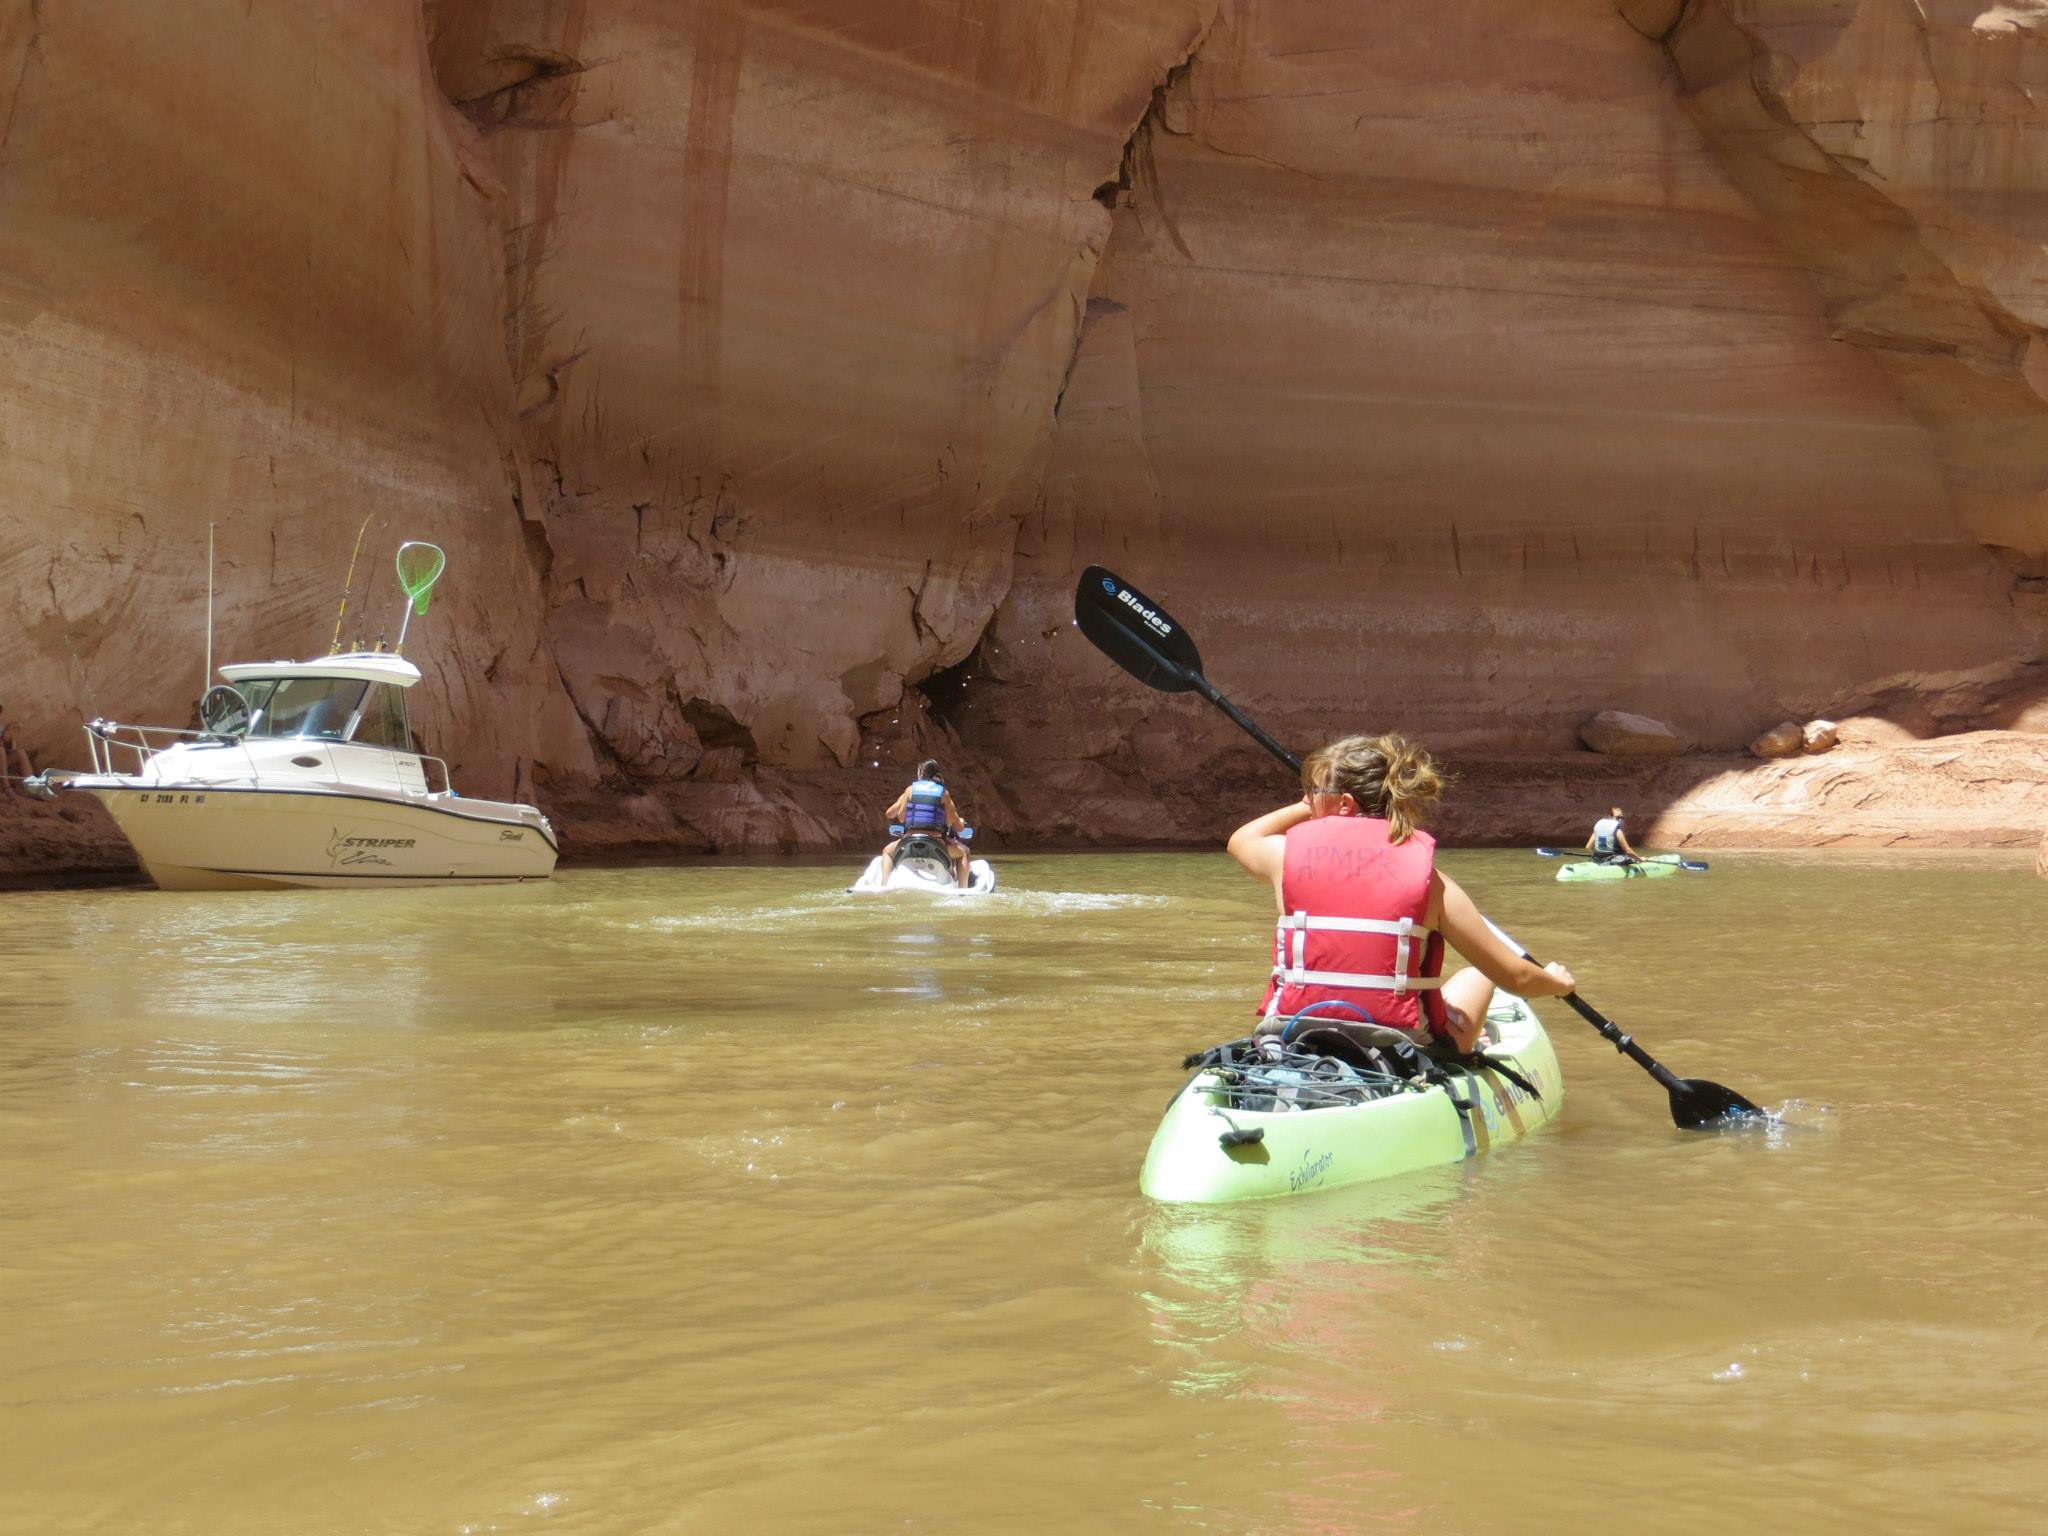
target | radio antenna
x=206, y=677
x=347, y=582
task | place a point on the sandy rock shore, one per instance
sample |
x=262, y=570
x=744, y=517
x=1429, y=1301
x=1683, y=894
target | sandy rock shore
x=1986, y=789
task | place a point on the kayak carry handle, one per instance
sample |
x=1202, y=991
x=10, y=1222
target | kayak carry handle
x=1238, y=1138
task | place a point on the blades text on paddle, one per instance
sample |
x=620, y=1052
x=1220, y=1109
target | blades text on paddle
x=1135, y=632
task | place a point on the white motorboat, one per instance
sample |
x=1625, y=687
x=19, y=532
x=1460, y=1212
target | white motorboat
x=922, y=865
x=305, y=774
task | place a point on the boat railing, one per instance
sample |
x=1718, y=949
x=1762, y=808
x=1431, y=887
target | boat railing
x=108, y=739
x=105, y=738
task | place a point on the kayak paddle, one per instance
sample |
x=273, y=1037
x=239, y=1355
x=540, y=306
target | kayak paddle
x=1136, y=634
x=1697, y=866
x=1147, y=642
x=1696, y=1104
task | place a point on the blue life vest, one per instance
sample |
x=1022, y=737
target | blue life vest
x=926, y=809
x=1603, y=835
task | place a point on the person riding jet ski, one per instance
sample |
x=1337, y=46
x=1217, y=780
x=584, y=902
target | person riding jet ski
x=926, y=809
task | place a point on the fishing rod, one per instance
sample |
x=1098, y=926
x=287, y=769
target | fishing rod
x=347, y=582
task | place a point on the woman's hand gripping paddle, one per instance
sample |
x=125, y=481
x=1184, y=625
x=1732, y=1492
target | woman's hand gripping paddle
x=1147, y=642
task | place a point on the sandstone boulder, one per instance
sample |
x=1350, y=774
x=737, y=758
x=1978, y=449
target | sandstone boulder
x=1620, y=734
x=1785, y=739
x=2041, y=857
x=1820, y=735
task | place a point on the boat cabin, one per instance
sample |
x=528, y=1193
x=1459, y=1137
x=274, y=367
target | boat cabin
x=357, y=698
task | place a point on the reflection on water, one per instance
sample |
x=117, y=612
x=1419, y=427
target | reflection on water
x=715, y=1198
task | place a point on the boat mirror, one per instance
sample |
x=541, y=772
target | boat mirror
x=224, y=712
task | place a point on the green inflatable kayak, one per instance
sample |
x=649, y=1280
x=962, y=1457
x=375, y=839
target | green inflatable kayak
x=1642, y=869
x=1239, y=1130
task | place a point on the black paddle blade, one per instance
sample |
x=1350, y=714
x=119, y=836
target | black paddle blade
x=1135, y=632
x=1698, y=1105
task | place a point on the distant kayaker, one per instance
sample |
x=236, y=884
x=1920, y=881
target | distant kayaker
x=1610, y=842
x=927, y=807
x=1364, y=911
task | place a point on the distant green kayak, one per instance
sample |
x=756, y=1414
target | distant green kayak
x=1642, y=869
x=1238, y=1133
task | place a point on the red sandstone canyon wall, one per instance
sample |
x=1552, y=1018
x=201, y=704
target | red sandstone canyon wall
x=795, y=287
x=770, y=368
x=1455, y=359
x=247, y=279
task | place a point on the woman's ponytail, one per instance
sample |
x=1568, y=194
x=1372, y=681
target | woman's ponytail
x=1413, y=782
x=1389, y=776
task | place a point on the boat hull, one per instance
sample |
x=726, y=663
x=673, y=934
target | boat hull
x=1302, y=1151
x=215, y=839
x=1642, y=869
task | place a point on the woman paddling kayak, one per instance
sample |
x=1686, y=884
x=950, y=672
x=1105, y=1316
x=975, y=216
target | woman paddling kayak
x=1364, y=911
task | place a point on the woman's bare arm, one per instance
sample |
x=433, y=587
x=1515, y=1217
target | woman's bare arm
x=1466, y=932
x=896, y=810
x=1260, y=845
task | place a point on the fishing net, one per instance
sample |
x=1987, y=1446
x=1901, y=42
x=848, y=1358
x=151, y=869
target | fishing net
x=419, y=567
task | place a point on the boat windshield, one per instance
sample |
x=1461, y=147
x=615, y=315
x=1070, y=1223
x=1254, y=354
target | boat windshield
x=319, y=707
x=383, y=720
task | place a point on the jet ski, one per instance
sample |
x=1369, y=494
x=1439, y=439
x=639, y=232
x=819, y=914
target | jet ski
x=922, y=865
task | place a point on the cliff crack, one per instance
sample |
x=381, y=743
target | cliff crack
x=536, y=98
x=918, y=627
x=29, y=52
x=1655, y=19
x=598, y=740
x=1085, y=322
x=1139, y=158
x=551, y=376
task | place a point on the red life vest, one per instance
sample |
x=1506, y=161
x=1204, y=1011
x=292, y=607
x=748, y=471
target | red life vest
x=1353, y=930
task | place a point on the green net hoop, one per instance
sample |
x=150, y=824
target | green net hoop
x=419, y=567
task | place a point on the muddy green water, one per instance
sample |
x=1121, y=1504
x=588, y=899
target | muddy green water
x=712, y=1199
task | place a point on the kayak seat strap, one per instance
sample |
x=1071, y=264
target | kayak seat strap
x=1479, y=1059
